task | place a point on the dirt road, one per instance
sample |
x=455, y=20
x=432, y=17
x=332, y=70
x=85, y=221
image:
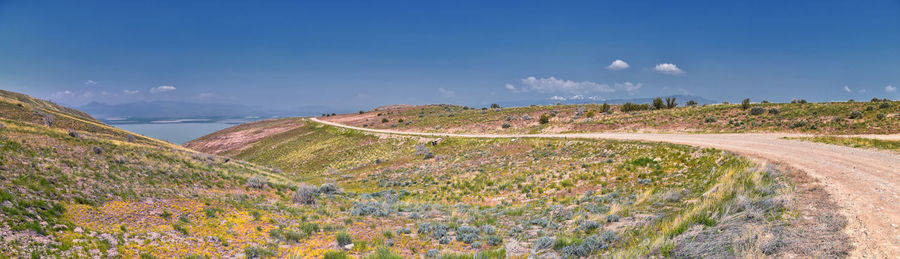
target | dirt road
x=865, y=183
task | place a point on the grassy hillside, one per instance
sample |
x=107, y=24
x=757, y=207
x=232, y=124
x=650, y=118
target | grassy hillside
x=22, y=108
x=876, y=117
x=75, y=187
x=79, y=188
x=543, y=197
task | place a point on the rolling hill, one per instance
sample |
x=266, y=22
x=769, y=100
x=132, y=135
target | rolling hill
x=871, y=117
x=75, y=187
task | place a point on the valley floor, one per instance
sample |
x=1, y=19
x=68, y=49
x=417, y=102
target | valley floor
x=864, y=183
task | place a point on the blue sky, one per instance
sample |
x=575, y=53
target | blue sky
x=362, y=54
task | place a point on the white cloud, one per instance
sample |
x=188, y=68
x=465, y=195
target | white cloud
x=668, y=68
x=862, y=90
x=61, y=93
x=557, y=98
x=130, y=91
x=847, y=89
x=162, y=88
x=617, y=65
x=446, y=93
x=90, y=82
x=569, y=87
x=629, y=86
x=554, y=85
x=890, y=89
x=206, y=95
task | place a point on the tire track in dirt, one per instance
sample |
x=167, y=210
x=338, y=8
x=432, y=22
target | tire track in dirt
x=864, y=183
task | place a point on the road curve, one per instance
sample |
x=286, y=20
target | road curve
x=865, y=183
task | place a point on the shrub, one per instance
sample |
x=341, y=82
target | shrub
x=691, y=103
x=880, y=116
x=774, y=111
x=467, y=234
x=328, y=188
x=544, y=243
x=545, y=118
x=505, y=125
x=343, y=239
x=589, y=225
x=46, y=117
x=384, y=253
x=384, y=120
x=306, y=194
x=370, y=208
x=658, y=104
x=257, y=182
x=309, y=228
x=211, y=212
x=258, y=252
x=745, y=104
x=437, y=230
x=179, y=226
x=709, y=120
x=332, y=254
x=605, y=107
x=292, y=236
x=884, y=105
x=612, y=218
x=495, y=106
x=493, y=240
x=628, y=106
x=403, y=231
x=757, y=111
x=399, y=120
x=670, y=102
x=488, y=230
x=798, y=124
x=589, y=114
x=855, y=115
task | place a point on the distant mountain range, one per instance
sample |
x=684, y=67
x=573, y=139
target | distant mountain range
x=680, y=99
x=184, y=112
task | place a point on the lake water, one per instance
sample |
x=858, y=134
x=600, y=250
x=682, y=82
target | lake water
x=177, y=133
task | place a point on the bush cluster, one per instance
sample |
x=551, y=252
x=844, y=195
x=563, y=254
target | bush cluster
x=627, y=107
x=757, y=111
x=306, y=194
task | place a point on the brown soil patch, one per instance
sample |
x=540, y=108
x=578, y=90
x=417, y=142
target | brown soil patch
x=235, y=139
